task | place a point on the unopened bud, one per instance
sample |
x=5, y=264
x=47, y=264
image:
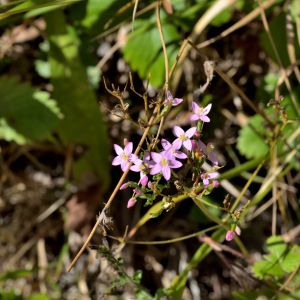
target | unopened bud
x=144, y=180
x=125, y=142
x=238, y=230
x=197, y=133
x=139, y=192
x=230, y=235
x=131, y=202
x=215, y=183
x=194, y=145
x=124, y=186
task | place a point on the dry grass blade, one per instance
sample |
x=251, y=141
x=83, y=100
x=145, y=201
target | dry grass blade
x=134, y=13
x=298, y=20
x=290, y=38
x=286, y=80
x=251, y=16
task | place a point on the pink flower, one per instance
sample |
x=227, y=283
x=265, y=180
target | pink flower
x=125, y=142
x=208, y=151
x=124, y=186
x=197, y=133
x=165, y=161
x=215, y=183
x=208, y=176
x=183, y=137
x=166, y=145
x=124, y=156
x=229, y=235
x=171, y=101
x=194, y=145
x=141, y=166
x=131, y=202
x=139, y=192
x=200, y=113
x=151, y=184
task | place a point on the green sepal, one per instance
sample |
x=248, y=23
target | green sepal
x=165, y=110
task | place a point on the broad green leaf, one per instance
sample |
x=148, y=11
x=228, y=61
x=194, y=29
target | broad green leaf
x=291, y=259
x=277, y=247
x=222, y=17
x=250, y=143
x=144, y=52
x=265, y=268
x=246, y=295
x=82, y=123
x=27, y=111
x=9, y=134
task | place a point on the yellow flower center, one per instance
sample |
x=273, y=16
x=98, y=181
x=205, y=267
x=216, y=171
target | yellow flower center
x=164, y=162
x=200, y=111
x=183, y=137
x=124, y=156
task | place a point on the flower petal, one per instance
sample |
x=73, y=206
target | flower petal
x=169, y=96
x=195, y=107
x=201, y=145
x=156, y=169
x=128, y=148
x=205, y=119
x=194, y=118
x=166, y=145
x=118, y=149
x=213, y=175
x=151, y=164
x=177, y=144
x=229, y=235
x=144, y=180
x=205, y=183
x=156, y=157
x=187, y=144
x=146, y=157
x=178, y=131
x=174, y=164
x=117, y=161
x=133, y=157
x=124, y=165
x=180, y=154
x=213, y=159
x=191, y=132
x=166, y=172
x=207, y=109
x=176, y=101
x=135, y=168
x=168, y=154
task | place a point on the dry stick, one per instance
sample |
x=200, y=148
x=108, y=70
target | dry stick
x=286, y=80
x=113, y=194
x=124, y=175
x=134, y=13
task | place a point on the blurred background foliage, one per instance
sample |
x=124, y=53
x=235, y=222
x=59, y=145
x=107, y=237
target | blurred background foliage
x=56, y=139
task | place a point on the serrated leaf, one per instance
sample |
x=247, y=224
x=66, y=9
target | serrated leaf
x=249, y=141
x=246, y=295
x=25, y=109
x=291, y=259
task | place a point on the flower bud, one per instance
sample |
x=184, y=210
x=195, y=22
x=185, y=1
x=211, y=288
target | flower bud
x=139, y=192
x=131, y=202
x=197, y=133
x=215, y=183
x=125, y=142
x=238, y=230
x=229, y=235
x=194, y=145
x=144, y=180
x=124, y=186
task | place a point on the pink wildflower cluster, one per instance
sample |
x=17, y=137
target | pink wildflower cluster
x=167, y=159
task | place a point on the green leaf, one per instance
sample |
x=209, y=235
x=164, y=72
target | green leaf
x=39, y=297
x=144, y=51
x=264, y=268
x=292, y=259
x=246, y=295
x=277, y=247
x=17, y=274
x=196, y=215
x=10, y=295
x=222, y=17
x=29, y=113
x=83, y=122
x=137, y=276
x=249, y=142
